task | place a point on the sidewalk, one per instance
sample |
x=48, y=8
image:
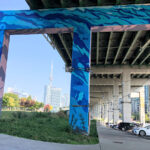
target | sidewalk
x=111, y=139
x=14, y=143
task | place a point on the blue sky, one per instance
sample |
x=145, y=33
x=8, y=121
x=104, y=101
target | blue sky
x=29, y=60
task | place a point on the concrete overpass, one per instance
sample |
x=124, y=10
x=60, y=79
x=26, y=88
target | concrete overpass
x=119, y=58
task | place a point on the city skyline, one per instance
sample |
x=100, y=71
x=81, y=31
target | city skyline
x=53, y=95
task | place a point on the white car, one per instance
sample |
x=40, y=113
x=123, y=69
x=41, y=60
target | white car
x=142, y=131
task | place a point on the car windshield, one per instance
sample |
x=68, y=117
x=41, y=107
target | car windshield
x=148, y=127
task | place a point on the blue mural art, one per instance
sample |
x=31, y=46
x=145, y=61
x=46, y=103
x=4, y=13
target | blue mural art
x=82, y=21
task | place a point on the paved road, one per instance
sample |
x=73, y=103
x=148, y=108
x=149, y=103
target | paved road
x=111, y=139
x=14, y=143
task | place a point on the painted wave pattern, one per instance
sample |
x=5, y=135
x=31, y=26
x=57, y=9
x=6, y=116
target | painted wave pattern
x=77, y=17
x=79, y=103
x=81, y=19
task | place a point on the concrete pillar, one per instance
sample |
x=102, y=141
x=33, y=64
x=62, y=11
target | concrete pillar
x=126, y=98
x=4, y=43
x=103, y=111
x=99, y=110
x=142, y=105
x=115, y=102
x=80, y=81
x=94, y=111
x=110, y=112
x=106, y=112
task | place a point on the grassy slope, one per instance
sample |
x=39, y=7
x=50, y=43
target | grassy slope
x=44, y=127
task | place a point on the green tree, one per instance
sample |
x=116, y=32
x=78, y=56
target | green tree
x=9, y=98
x=11, y=102
x=5, y=100
x=14, y=96
x=29, y=98
x=147, y=119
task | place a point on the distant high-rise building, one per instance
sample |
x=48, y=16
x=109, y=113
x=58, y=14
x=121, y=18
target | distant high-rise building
x=52, y=95
x=135, y=104
x=147, y=98
x=65, y=100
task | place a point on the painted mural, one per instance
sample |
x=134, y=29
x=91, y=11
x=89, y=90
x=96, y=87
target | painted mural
x=81, y=21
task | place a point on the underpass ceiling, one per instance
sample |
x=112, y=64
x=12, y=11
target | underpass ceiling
x=108, y=48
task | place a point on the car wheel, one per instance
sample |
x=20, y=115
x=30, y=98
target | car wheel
x=142, y=133
x=123, y=129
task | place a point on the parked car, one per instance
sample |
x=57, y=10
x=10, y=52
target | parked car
x=142, y=131
x=115, y=126
x=124, y=126
x=109, y=124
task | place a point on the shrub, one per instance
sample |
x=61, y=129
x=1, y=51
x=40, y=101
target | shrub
x=62, y=114
x=19, y=115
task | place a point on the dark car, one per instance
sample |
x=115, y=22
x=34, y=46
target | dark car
x=124, y=126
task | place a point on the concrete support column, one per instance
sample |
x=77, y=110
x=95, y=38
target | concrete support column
x=115, y=102
x=126, y=98
x=109, y=102
x=94, y=111
x=106, y=112
x=110, y=112
x=102, y=111
x=142, y=105
x=80, y=81
x=99, y=110
x=4, y=43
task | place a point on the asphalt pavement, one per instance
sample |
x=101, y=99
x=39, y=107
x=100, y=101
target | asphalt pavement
x=111, y=139
x=14, y=143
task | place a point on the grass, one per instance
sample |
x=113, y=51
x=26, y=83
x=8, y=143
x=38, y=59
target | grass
x=44, y=127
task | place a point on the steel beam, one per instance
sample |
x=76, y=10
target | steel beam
x=103, y=89
x=109, y=44
x=97, y=49
x=134, y=82
x=141, y=51
x=117, y=69
x=120, y=46
x=58, y=48
x=145, y=59
x=132, y=45
x=65, y=46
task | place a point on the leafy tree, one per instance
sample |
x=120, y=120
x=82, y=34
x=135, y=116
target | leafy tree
x=11, y=102
x=14, y=96
x=29, y=98
x=147, y=118
x=5, y=100
x=11, y=98
x=48, y=108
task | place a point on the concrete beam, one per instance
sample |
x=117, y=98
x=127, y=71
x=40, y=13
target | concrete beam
x=119, y=69
x=145, y=59
x=65, y=46
x=108, y=49
x=134, y=82
x=104, y=89
x=120, y=46
x=141, y=51
x=132, y=45
x=97, y=49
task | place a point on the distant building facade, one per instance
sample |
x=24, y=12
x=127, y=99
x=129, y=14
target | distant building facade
x=147, y=92
x=52, y=97
x=135, y=104
x=65, y=100
x=136, y=101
